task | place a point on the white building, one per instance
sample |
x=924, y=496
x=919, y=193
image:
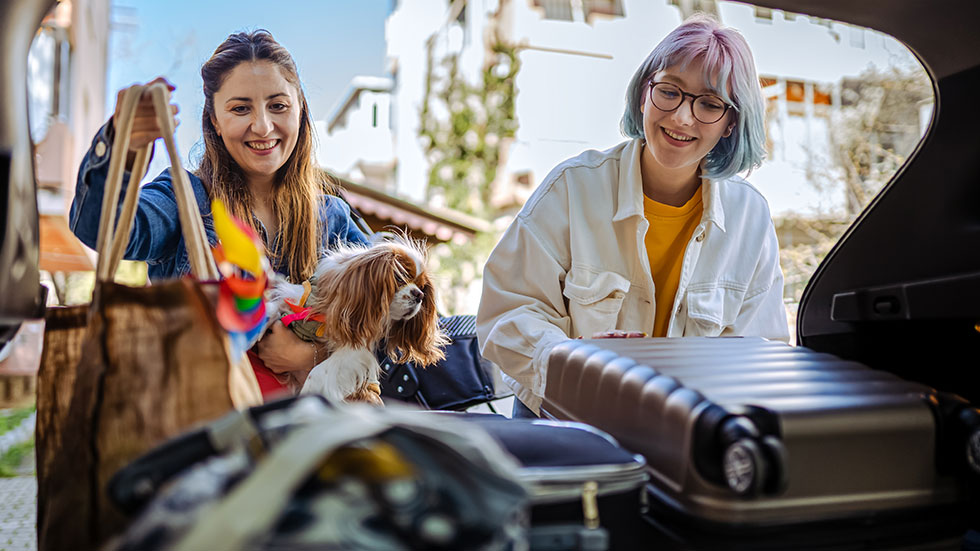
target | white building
x=356, y=140
x=66, y=99
x=577, y=58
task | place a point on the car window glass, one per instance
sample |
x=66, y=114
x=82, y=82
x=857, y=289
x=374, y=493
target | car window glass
x=845, y=107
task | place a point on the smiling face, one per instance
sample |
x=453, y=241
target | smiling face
x=675, y=140
x=257, y=115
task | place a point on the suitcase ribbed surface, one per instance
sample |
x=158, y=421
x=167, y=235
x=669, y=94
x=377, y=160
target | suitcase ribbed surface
x=831, y=437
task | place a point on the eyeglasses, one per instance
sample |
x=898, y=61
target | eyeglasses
x=707, y=108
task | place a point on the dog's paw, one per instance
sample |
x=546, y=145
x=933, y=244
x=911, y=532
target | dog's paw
x=344, y=373
x=369, y=393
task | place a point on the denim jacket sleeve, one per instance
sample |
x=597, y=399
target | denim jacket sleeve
x=156, y=227
x=338, y=224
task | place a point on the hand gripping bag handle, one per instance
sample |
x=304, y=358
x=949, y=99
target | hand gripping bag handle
x=113, y=239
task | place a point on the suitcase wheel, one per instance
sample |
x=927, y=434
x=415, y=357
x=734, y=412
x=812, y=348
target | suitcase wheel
x=752, y=463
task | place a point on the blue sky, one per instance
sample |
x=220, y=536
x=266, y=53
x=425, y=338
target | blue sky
x=331, y=41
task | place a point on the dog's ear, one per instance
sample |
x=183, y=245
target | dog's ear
x=355, y=297
x=419, y=338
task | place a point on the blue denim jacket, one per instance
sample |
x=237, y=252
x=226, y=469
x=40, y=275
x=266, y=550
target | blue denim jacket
x=156, y=236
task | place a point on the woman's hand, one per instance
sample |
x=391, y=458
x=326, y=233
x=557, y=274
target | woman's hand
x=285, y=353
x=146, y=128
x=617, y=334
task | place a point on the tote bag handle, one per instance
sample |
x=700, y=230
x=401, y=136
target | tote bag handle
x=113, y=238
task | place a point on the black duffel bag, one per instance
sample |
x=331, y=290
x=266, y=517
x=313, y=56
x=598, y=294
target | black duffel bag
x=464, y=379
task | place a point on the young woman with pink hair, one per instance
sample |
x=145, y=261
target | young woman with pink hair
x=656, y=236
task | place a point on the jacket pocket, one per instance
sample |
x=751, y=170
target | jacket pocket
x=594, y=300
x=710, y=311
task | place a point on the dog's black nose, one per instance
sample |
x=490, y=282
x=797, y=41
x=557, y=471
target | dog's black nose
x=417, y=295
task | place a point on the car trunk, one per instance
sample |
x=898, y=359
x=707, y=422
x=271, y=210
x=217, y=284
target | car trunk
x=900, y=292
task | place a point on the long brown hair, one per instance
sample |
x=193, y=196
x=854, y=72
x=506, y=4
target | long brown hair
x=298, y=184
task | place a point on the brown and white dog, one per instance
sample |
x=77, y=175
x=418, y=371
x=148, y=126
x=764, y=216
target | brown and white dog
x=367, y=294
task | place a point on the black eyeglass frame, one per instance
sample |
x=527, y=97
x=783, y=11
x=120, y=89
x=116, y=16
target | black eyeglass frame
x=694, y=97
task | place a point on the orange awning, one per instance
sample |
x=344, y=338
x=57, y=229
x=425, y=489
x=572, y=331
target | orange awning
x=401, y=217
x=440, y=225
x=61, y=251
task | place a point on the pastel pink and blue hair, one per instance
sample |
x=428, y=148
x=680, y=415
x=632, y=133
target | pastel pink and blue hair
x=729, y=71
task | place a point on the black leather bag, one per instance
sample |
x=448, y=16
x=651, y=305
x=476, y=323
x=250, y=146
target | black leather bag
x=462, y=380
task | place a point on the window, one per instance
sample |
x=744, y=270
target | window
x=856, y=36
x=603, y=7
x=579, y=10
x=48, y=66
x=558, y=10
x=764, y=14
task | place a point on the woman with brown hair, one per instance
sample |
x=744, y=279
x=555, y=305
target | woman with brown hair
x=258, y=159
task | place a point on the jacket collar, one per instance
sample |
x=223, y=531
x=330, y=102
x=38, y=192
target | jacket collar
x=630, y=189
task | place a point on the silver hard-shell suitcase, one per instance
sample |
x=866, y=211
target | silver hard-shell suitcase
x=747, y=435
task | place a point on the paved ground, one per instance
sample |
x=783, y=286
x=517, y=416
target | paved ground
x=18, y=507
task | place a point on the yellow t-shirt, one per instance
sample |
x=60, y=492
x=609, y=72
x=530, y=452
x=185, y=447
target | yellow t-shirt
x=667, y=238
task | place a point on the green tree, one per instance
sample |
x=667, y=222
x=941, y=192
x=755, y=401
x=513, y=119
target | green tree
x=877, y=130
x=464, y=127
x=872, y=135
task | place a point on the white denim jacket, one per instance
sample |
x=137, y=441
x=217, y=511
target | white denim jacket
x=574, y=263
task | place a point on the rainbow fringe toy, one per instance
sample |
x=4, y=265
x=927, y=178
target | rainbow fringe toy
x=244, y=272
